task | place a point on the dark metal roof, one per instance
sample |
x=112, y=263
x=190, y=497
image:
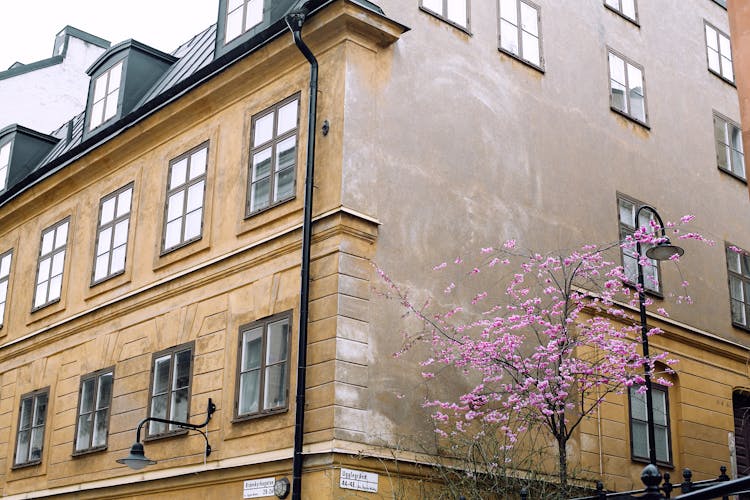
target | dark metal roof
x=196, y=63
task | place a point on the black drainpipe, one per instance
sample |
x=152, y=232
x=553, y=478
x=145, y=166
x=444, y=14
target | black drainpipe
x=295, y=20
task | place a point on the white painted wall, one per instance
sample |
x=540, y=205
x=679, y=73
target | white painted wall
x=46, y=98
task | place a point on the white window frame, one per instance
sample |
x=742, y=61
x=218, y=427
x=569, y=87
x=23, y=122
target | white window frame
x=662, y=425
x=111, y=244
x=5, y=164
x=516, y=35
x=186, y=198
x=6, y=260
x=652, y=281
x=174, y=389
x=719, y=53
x=629, y=87
x=51, y=264
x=33, y=426
x=89, y=416
x=624, y=8
x=259, y=333
x=109, y=98
x=738, y=273
x=248, y=12
x=730, y=152
x=455, y=12
x=266, y=149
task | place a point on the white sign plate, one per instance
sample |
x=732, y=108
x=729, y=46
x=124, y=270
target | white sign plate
x=258, y=488
x=358, y=480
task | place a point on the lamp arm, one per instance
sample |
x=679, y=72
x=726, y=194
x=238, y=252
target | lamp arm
x=656, y=214
x=183, y=425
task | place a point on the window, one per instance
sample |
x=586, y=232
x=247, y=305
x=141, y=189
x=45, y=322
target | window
x=49, y=271
x=454, y=11
x=106, y=96
x=112, y=234
x=263, y=366
x=273, y=155
x=639, y=424
x=519, y=30
x=626, y=8
x=242, y=15
x=719, y=52
x=32, y=418
x=4, y=163
x=627, y=209
x=626, y=91
x=723, y=3
x=94, y=400
x=185, y=192
x=729, y=152
x=5, y=260
x=170, y=388
x=738, y=267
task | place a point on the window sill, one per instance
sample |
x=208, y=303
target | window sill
x=88, y=451
x=666, y=465
x=255, y=416
x=165, y=435
x=732, y=174
x=647, y=291
x=723, y=78
x=632, y=119
x=521, y=60
x=465, y=29
x=740, y=326
x=632, y=21
x=249, y=215
x=26, y=465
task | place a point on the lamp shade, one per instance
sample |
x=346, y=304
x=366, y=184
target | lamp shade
x=664, y=251
x=137, y=460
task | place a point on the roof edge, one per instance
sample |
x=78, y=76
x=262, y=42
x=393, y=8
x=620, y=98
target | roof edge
x=27, y=131
x=127, y=45
x=27, y=68
x=86, y=37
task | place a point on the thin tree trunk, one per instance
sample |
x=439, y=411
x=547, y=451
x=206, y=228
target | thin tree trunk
x=562, y=455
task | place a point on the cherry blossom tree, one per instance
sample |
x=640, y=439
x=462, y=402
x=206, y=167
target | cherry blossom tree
x=547, y=349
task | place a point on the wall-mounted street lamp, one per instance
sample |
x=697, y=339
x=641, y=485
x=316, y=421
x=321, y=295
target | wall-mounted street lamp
x=661, y=251
x=137, y=460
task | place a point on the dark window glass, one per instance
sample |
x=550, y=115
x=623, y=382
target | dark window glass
x=639, y=424
x=31, y=422
x=94, y=401
x=627, y=209
x=170, y=388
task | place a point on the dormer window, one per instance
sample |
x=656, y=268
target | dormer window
x=106, y=96
x=242, y=15
x=4, y=162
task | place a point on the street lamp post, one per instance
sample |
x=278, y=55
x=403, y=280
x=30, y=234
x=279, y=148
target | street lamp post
x=662, y=251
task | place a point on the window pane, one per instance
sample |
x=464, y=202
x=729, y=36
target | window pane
x=531, y=49
x=179, y=407
x=711, y=38
x=123, y=202
x=661, y=436
x=262, y=164
x=725, y=49
x=287, y=117
x=274, y=391
x=108, y=211
x=640, y=439
x=40, y=410
x=174, y=234
x=738, y=313
x=47, y=239
x=251, y=349
x=193, y=222
x=25, y=419
x=44, y=266
x=100, y=87
x=617, y=69
x=234, y=25
x=713, y=61
x=57, y=264
x=198, y=163
x=110, y=107
x=87, y=395
x=260, y=194
x=277, y=342
x=285, y=184
x=637, y=404
x=628, y=8
x=509, y=11
x=161, y=375
x=182, y=370
x=55, y=288
x=457, y=12
x=263, y=129
x=175, y=205
x=85, y=424
x=105, y=391
x=177, y=176
x=659, y=400
x=100, y=269
x=158, y=409
x=726, y=68
x=40, y=295
x=529, y=20
x=508, y=37
x=118, y=260
x=22, y=449
x=99, y=437
x=254, y=13
x=3, y=296
x=5, y=266
x=195, y=196
x=114, y=77
x=61, y=235
x=121, y=233
x=249, y=392
x=736, y=289
x=105, y=241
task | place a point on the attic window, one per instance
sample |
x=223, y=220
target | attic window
x=4, y=162
x=106, y=94
x=242, y=15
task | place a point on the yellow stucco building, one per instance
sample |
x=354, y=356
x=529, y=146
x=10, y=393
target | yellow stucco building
x=152, y=247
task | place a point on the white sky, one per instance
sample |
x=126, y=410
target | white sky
x=28, y=27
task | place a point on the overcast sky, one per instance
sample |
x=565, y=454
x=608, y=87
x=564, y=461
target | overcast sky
x=28, y=27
